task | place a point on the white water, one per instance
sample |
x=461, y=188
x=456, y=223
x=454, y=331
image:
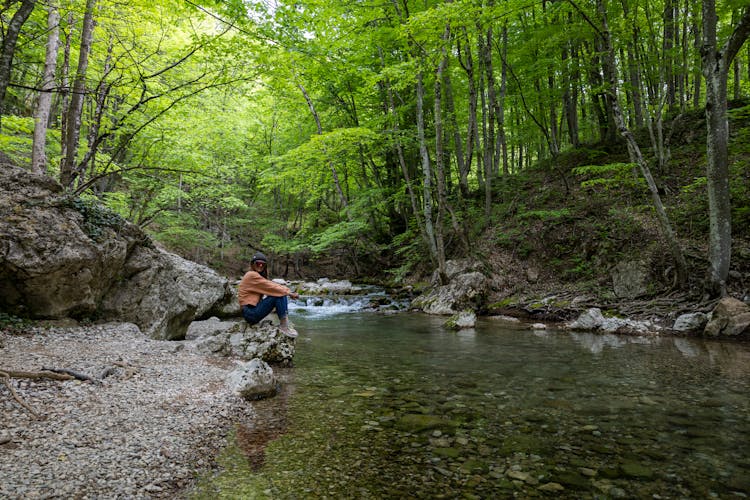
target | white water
x=319, y=307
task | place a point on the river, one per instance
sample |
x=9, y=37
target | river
x=396, y=406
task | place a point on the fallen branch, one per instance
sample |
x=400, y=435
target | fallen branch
x=6, y=380
x=36, y=375
x=76, y=375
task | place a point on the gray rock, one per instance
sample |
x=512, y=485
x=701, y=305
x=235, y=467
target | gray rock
x=253, y=380
x=237, y=338
x=630, y=278
x=66, y=258
x=730, y=317
x=464, y=319
x=454, y=267
x=689, y=322
x=593, y=319
x=590, y=319
x=163, y=293
x=464, y=291
x=213, y=344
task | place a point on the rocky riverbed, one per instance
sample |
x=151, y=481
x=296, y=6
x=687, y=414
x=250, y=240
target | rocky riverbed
x=150, y=421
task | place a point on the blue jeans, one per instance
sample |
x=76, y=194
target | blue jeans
x=254, y=314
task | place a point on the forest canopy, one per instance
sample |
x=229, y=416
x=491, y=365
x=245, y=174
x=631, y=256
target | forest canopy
x=366, y=130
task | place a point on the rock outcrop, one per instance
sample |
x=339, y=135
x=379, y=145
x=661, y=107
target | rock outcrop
x=593, y=319
x=467, y=289
x=67, y=257
x=730, y=317
x=236, y=338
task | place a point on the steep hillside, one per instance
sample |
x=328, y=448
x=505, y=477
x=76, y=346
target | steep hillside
x=571, y=227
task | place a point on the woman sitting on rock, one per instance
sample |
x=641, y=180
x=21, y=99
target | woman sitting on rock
x=254, y=285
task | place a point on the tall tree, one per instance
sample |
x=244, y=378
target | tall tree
x=10, y=39
x=75, y=108
x=610, y=72
x=717, y=61
x=38, y=156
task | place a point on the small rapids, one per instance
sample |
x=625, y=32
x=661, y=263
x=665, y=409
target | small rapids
x=368, y=299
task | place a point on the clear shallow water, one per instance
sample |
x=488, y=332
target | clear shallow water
x=396, y=406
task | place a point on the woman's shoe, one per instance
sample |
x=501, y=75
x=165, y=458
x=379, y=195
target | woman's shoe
x=289, y=331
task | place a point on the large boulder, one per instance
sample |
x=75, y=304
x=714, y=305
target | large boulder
x=162, y=293
x=253, y=380
x=237, y=338
x=730, y=317
x=466, y=290
x=66, y=257
x=690, y=322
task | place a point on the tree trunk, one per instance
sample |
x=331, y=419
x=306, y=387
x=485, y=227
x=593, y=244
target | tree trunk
x=92, y=138
x=610, y=71
x=75, y=110
x=440, y=159
x=453, y=123
x=44, y=104
x=427, y=173
x=716, y=63
x=65, y=88
x=667, y=52
x=334, y=172
x=472, y=132
x=9, y=46
x=502, y=139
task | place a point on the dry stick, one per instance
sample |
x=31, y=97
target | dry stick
x=6, y=380
x=36, y=375
x=79, y=376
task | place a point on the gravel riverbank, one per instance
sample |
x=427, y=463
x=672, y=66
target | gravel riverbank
x=153, y=418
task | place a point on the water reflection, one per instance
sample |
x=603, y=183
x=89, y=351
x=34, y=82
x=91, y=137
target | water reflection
x=595, y=343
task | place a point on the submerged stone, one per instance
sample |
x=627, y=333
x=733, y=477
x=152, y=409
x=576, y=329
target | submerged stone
x=636, y=470
x=447, y=452
x=573, y=480
x=418, y=423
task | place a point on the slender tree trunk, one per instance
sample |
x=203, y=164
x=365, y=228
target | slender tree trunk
x=716, y=62
x=472, y=133
x=697, y=77
x=452, y=122
x=501, y=103
x=491, y=155
x=44, y=104
x=334, y=172
x=10, y=39
x=635, y=79
x=102, y=91
x=427, y=174
x=65, y=88
x=570, y=97
x=75, y=110
x=440, y=159
x=667, y=52
x=635, y=152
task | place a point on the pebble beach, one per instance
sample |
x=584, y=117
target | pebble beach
x=146, y=426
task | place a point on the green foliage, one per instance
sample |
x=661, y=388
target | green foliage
x=611, y=176
x=96, y=217
x=12, y=324
x=411, y=253
x=545, y=214
x=341, y=234
x=15, y=137
x=186, y=240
